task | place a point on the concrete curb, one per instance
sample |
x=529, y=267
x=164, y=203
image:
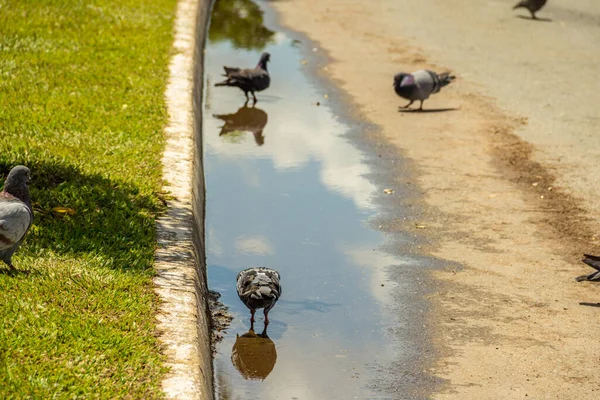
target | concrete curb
x=183, y=317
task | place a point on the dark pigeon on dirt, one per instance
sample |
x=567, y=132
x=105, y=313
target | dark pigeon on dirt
x=594, y=262
x=258, y=287
x=16, y=214
x=419, y=85
x=249, y=80
x=531, y=5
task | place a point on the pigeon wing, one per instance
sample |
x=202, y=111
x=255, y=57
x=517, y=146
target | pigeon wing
x=230, y=70
x=15, y=220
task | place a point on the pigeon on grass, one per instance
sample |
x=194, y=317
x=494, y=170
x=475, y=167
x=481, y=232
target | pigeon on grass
x=594, y=262
x=258, y=287
x=531, y=5
x=249, y=80
x=16, y=214
x=420, y=85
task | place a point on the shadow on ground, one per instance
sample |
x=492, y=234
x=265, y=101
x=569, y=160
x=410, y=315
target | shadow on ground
x=79, y=213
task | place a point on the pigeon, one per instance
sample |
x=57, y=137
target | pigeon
x=420, y=85
x=594, y=262
x=246, y=119
x=531, y=5
x=258, y=287
x=16, y=214
x=249, y=80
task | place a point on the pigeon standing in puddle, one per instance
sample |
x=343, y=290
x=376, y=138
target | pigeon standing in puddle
x=16, y=214
x=531, y=5
x=258, y=287
x=249, y=80
x=420, y=85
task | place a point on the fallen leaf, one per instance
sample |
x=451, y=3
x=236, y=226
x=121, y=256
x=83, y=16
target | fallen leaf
x=64, y=210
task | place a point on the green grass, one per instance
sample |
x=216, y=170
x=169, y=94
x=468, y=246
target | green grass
x=81, y=104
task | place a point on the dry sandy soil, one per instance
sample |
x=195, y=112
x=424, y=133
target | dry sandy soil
x=509, y=175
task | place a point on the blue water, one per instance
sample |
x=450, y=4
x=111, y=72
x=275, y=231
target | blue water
x=292, y=195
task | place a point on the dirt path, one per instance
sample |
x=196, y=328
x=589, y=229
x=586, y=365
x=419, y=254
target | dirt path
x=509, y=178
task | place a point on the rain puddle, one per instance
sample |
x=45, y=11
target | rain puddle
x=287, y=190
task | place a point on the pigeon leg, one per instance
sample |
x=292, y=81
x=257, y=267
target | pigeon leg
x=532, y=15
x=408, y=105
x=266, y=317
x=264, y=332
x=251, y=325
x=252, y=317
x=421, y=106
x=247, y=98
x=253, y=95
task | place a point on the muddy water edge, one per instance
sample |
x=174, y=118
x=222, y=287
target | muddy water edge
x=293, y=184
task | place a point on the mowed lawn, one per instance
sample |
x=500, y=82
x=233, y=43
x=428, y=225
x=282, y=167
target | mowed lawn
x=81, y=104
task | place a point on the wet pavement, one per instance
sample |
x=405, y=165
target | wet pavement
x=286, y=189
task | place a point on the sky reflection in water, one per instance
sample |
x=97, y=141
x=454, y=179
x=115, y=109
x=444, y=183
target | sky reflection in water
x=285, y=190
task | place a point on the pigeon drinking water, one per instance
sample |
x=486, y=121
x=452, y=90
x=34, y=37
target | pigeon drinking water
x=420, y=85
x=258, y=287
x=16, y=214
x=249, y=80
x=531, y=5
x=594, y=262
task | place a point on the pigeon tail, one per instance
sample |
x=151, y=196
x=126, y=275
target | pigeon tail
x=224, y=83
x=445, y=78
x=592, y=261
x=594, y=276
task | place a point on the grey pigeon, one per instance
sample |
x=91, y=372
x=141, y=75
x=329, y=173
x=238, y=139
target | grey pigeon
x=249, y=80
x=258, y=287
x=531, y=5
x=594, y=262
x=420, y=85
x=246, y=119
x=16, y=214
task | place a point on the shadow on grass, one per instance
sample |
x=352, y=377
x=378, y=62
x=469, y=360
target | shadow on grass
x=12, y=272
x=107, y=220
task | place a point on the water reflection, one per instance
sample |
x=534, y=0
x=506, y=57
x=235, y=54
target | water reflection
x=254, y=355
x=246, y=119
x=239, y=22
x=298, y=203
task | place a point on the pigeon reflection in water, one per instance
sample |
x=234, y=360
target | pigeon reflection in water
x=246, y=119
x=254, y=355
